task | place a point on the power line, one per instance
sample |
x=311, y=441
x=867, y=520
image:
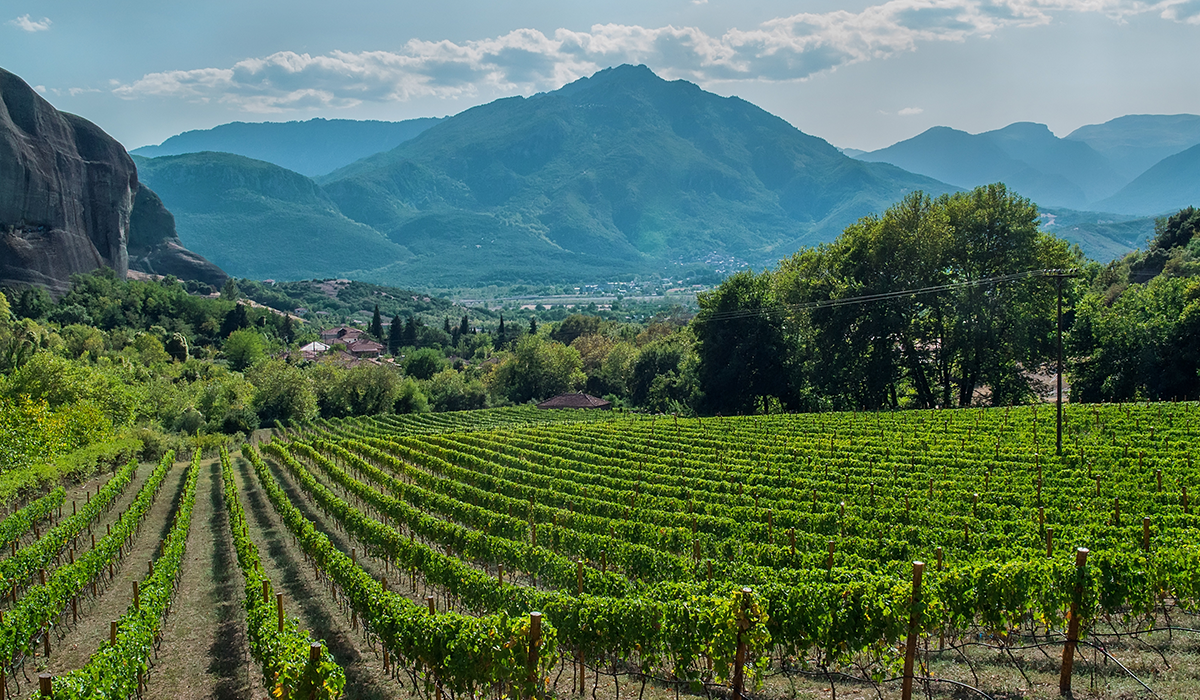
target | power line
x=883, y=296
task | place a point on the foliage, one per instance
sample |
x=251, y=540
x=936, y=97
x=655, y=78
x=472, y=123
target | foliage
x=424, y=363
x=537, y=368
x=283, y=654
x=244, y=348
x=1142, y=347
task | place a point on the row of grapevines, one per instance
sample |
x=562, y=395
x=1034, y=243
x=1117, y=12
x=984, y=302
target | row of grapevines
x=284, y=655
x=42, y=604
x=1002, y=584
x=16, y=569
x=17, y=524
x=463, y=653
x=676, y=622
x=117, y=669
x=555, y=570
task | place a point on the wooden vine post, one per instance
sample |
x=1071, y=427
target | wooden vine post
x=1068, y=659
x=914, y=625
x=535, y=642
x=579, y=591
x=739, y=660
x=46, y=685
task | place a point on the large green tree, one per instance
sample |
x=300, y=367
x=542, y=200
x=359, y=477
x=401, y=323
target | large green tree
x=744, y=354
x=538, y=368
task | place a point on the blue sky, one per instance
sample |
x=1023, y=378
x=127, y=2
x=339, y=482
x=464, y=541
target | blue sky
x=862, y=75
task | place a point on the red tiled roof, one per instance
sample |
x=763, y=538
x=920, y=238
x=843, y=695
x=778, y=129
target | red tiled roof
x=579, y=400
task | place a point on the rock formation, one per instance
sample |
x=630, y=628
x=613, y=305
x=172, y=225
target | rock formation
x=154, y=246
x=67, y=195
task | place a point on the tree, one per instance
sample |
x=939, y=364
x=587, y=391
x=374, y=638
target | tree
x=395, y=335
x=365, y=391
x=464, y=327
x=284, y=395
x=244, y=349
x=235, y=319
x=501, y=337
x=288, y=331
x=538, y=369
x=574, y=326
x=532, y=325
x=424, y=363
x=1142, y=347
x=231, y=291
x=410, y=333
x=741, y=346
x=376, y=329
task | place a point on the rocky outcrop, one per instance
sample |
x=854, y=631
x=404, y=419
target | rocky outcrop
x=154, y=246
x=67, y=195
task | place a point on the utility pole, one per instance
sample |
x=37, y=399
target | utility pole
x=1059, y=276
x=1058, y=393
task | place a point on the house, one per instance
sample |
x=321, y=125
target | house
x=578, y=400
x=315, y=347
x=341, y=334
x=362, y=347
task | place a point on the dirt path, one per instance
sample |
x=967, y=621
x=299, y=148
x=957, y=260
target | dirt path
x=72, y=644
x=204, y=653
x=304, y=597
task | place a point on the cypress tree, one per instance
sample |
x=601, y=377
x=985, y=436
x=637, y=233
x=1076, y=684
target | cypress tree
x=465, y=327
x=376, y=329
x=396, y=335
x=501, y=338
x=410, y=333
x=532, y=325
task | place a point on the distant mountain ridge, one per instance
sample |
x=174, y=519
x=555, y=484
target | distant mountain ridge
x=620, y=170
x=261, y=221
x=1136, y=142
x=313, y=147
x=1093, y=168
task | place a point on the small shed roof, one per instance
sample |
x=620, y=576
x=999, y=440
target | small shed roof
x=578, y=400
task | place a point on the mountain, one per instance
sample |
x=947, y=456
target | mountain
x=1133, y=143
x=258, y=220
x=1101, y=236
x=620, y=171
x=71, y=201
x=1025, y=156
x=1171, y=184
x=314, y=147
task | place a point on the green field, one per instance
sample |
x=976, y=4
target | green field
x=654, y=549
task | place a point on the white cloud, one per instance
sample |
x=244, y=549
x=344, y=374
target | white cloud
x=526, y=60
x=24, y=23
x=910, y=111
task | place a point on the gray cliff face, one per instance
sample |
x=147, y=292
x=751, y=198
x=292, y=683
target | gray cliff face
x=68, y=192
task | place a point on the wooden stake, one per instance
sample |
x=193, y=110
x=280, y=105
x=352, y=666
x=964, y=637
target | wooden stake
x=279, y=610
x=112, y=632
x=535, y=642
x=1068, y=658
x=46, y=685
x=266, y=586
x=914, y=623
x=739, y=661
x=1146, y=534
x=137, y=600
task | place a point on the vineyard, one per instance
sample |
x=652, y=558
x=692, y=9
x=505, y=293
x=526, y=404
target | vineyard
x=515, y=552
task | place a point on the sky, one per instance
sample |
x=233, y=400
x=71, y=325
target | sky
x=858, y=74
